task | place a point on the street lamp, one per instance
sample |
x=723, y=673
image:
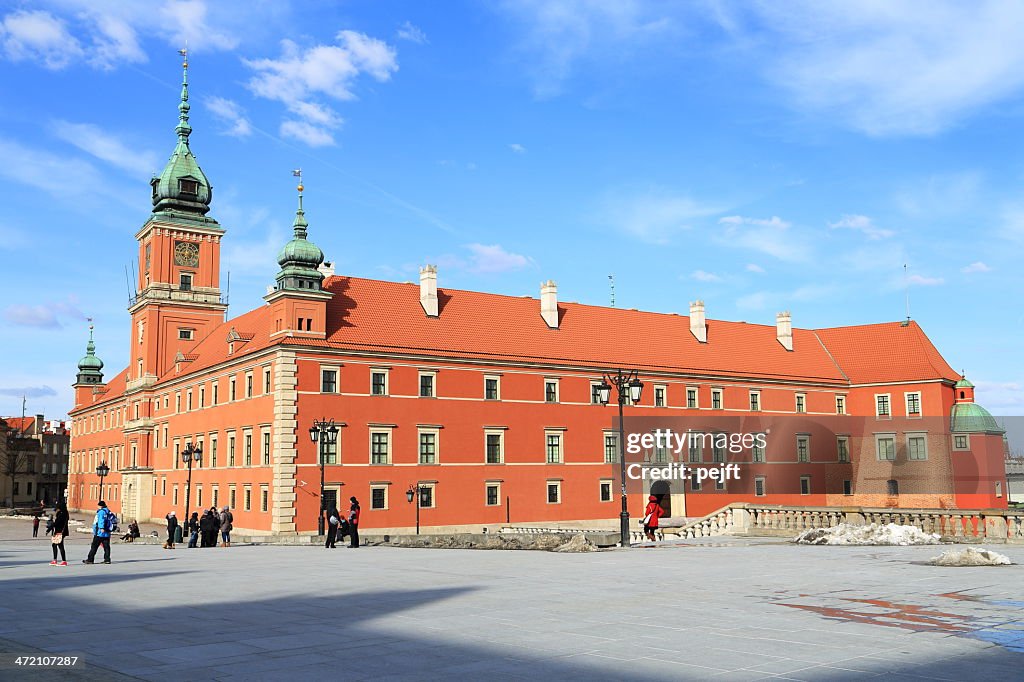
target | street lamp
x=628, y=387
x=192, y=452
x=102, y=470
x=326, y=434
x=416, y=491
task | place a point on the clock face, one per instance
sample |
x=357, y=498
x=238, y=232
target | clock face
x=186, y=253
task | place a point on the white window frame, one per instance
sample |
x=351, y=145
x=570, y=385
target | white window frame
x=906, y=405
x=664, y=395
x=432, y=487
x=879, y=437
x=492, y=484
x=845, y=440
x=696, y=397
x=496, y=378
x=758, y=453
x=432, y=373
x=610, y=482
x=840, y=403
x=384, y=487
x=924, y=437
x=436, y=433
x=720, y=395
x=387, y=430
x=763, y=480
x=186, y=334
x=500, y=433
x=750, y=401
x=387, y=380
x=967, y=442
x=558, y=393
x=337, y=379
x=560, y=433
x=547, y=491
x=797, y=399
x=803, y=438
x=614, y=435
x=888, y=400
x=808, y=479
x=593, y=393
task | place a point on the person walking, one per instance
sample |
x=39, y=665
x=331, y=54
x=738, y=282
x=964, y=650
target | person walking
x=100, y=534
x=205, y=529
x=226, y=526
x=192, y=528
x=333, y=519
x=172, y=526
x=353, y=522
x=49, y=525
x=35, y=526
x=60, y=531
x=652, y=513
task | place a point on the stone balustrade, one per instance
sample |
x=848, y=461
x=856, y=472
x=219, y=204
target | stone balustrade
x=953, y=525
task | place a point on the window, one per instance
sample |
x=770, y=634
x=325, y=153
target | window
x=248, y=385
x=716, y=399
x=695, y=454
x=185, y=334
x=174, y=496
x=213, y=449
x=882, y=405
x=264, y=495
x=595, y=393
x=231, y=497
x=491, y=386
x=913, y=404
x=202, y=397
x=427, y=498
x=330, y=451
x=188, y=401
x=999, y=488
x=492, y=494
x=660, y=453
x=231, y=450
x=759, y=486
x=720, y=484
x=199, y=497
x=892, y=487
x=805, y=485
x=247, y=498
x=847, y=487
x=185, y=282
x=495, y=448
x=611, y=447
x=695, y=483
x=248, y=449
x=803, y=448
x=551, y=390
x=961, y=442
x=380, y=447
x=266, y=381
x=606, y=491
x=757, y=449
x=378, y=497
x=691, y=397
x=266, y=448
x=426, y=384
x=718, y=447
x=553, y=448
x=917, y=448
x=659, y=396
x=801, y=402
x=554, y=492
x=886, y=447
x=328, y=381
x=163, y=487
x=843, y=448
x=231, y=389
x=428, y=447
x=216, y=394
x=755, y=401
x=840, y=404
x=378, y=382
x=187, y=187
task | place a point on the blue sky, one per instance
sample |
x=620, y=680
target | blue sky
x=760, y=156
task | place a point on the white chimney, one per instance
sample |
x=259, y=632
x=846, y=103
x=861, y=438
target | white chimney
x=428, y=289
x=698, y=325
x=784, y=329
x=549, y=303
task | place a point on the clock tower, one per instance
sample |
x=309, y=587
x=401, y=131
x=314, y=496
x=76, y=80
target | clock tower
x=178, y=299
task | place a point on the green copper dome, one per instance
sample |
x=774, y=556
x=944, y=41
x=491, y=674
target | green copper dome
x=90, y=366
x=300, y=258
x=973, y=418
x=963, y=383
x=182, y=186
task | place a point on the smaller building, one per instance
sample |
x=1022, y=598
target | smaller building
x=1015, y=480
x=34, y=462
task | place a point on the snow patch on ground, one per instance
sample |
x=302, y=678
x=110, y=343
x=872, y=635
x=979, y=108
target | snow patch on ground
x=969, y=556
x=871, y=534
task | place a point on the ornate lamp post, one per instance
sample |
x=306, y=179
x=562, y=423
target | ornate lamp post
x=326, y=434
x=102, y=470
x=628, y=386
x=192, y=452
x=416, y=492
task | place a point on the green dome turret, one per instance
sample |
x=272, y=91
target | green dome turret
x=963, y=383
x=90, y=367
x=300, y=258
x=182, y=186
x=973, y=418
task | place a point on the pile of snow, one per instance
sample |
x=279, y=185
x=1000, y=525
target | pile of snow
x=970, y=557
x=871, y=534
x=578, y=543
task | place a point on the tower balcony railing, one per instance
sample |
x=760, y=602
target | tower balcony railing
x=191, y=295
x=145, y=381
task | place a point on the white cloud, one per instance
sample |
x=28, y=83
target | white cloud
x=914, y=67
x=977, y=266
x=517, y=148
x=754, y=267
x=702, y=276
x=300, y=75
x=771, y=236
x=187, y=21
x=923, y=281
x=861, y=223
x=39, y=36
x=1003, y=397
x=29, y=391
x=653, y=216
x=755, y=301
x=64, y=177
x=44, y=316
x=489, y=258
x=104, y=146
x=412, y=33
x=229, y=112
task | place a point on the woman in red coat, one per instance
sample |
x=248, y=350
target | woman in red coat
x=652, y=513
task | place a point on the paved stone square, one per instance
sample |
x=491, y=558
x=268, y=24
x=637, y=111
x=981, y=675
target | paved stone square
x=722, y=609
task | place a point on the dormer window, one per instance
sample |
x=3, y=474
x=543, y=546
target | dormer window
x=188, y=186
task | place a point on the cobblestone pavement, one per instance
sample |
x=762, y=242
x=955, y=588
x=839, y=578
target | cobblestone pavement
x=727, y=609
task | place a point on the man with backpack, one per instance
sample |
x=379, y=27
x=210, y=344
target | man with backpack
x=102, y=525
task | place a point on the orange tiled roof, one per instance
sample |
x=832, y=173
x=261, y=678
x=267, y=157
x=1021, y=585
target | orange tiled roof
x=890, y=351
